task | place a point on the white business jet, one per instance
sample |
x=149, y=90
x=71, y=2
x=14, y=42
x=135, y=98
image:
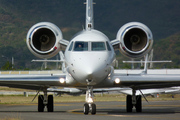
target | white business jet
x=88, y=62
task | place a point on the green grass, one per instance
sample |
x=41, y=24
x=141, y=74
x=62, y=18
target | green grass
x=12, y=99
x=12, y=89
x=10, y=118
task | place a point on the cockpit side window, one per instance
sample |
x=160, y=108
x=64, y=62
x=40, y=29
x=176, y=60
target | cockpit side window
x=108, y=46
x=98, y=46
x=71, y=46
x=81, y=46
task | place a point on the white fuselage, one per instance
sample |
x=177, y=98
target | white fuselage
x=89, y=57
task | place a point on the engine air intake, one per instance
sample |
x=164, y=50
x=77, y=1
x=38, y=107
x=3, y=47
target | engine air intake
x=135, y=39
x=43, y=40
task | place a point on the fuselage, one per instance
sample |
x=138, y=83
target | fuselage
x=89, y=57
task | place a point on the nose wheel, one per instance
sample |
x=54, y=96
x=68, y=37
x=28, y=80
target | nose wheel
x=89, y=106
x=93, y=109
x=86, y=109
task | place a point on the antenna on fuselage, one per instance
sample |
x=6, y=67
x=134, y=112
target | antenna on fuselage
x=89, y=15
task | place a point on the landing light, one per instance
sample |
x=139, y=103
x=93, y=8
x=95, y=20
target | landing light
x=62, y=80
x=117, y=81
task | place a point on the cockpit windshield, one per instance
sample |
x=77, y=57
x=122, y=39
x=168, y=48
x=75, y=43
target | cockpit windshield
x=98, y=46
x=81, y=46
x=89, y=46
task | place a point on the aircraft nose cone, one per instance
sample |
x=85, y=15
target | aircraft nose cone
x=93, y=74
x=91, y=67
x=89, y=73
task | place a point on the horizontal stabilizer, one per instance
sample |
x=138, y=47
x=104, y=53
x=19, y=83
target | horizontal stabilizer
x=146, y=61
x=47, y=61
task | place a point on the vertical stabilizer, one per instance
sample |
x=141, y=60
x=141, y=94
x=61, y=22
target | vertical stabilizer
x=89, y=15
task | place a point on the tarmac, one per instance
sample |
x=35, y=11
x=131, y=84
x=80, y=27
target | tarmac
x=154, y=110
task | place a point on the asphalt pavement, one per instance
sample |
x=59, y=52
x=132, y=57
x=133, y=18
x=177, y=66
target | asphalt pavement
x=155, y=110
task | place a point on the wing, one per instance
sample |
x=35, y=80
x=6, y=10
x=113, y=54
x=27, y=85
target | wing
x=118, y=89
x=33, y=82
x=66, y=90
x=128, y=91
x=145, y=81
x=152, y=92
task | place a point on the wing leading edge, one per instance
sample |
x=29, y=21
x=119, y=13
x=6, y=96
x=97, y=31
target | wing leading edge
x=145, y=81
x=34, y=82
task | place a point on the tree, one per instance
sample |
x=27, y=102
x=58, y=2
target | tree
x=7, y=66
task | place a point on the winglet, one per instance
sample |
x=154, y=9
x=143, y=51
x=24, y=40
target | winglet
x=145, y=65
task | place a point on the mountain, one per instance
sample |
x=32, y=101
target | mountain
x=168, y=49
x=16, y=17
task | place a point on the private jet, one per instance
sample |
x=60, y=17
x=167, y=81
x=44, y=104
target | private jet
x=88, y=62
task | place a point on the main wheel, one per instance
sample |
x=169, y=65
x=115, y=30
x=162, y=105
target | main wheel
x=93, y=111
x=40, y=103
x=138, y=103
x=50, y=105
x=86, y=108
x=129, y=105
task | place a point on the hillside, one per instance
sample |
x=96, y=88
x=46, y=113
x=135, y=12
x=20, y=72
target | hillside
x=16, y=17
x=168, y=49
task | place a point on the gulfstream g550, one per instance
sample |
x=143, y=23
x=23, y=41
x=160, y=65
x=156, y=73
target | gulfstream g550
x=88, y=62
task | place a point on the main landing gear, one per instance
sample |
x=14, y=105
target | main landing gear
x=44, y=100
x=134, y=101
x=89, y=106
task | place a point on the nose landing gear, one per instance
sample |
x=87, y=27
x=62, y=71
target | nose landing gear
x=89, y=106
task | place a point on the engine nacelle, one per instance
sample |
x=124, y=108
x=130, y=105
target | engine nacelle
x=135, y=38
x=43, y=40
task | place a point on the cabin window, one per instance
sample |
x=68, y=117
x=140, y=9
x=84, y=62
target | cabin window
x=70, y=47
x=108, y=46
x=81, y=46
x=98, y=46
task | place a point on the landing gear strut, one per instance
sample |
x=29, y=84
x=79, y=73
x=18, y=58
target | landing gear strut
x=134, y=101
x=89, y=106
x=44, y=100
